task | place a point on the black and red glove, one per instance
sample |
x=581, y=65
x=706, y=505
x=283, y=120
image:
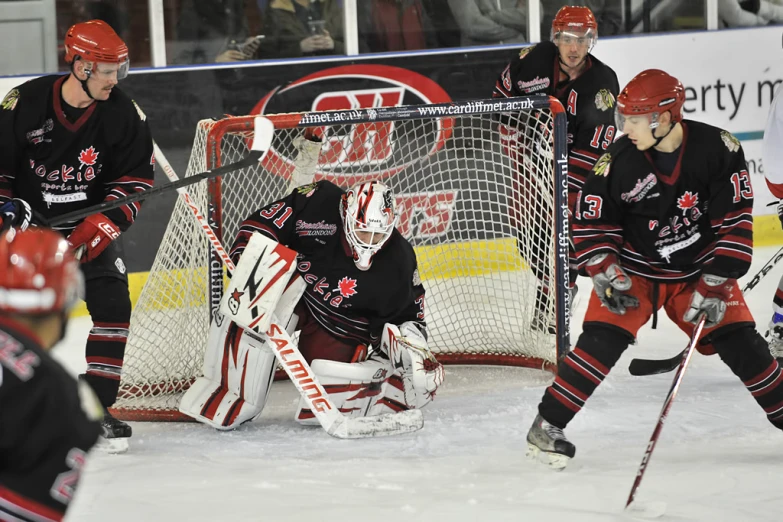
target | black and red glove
x=95, y=233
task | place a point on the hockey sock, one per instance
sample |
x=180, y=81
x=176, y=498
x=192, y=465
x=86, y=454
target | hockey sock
x=747, y=354
x=580, y=373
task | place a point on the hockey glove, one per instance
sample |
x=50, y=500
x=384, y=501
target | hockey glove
x=15, y=213
x=611, y=283
x=407, y=350
x=95, y=233
x=710, y=296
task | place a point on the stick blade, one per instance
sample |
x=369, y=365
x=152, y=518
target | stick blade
x=263, y=132
x=377, y=426
x=641, y=367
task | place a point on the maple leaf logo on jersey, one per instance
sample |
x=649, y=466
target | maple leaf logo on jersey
x=731, y=141
x=601, y=167
x=233, y=301
x=687, y=201
x=88, y=157
x=346, y=286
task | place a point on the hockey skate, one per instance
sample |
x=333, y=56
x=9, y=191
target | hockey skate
x=114, y=438
x=548, y=445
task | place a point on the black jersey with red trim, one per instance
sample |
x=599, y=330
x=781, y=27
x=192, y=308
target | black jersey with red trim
x=59, y=165
x=670, y=227
x=47, y=426
x=349, y=303
x=589, y=102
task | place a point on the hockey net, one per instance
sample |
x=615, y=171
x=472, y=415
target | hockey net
x=487, y=226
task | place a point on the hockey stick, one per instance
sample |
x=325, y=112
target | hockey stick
x=641, y=367
x=294, y=364
x=262, y=141
x=667, y=404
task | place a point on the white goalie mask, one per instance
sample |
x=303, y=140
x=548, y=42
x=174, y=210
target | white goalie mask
x=369, y=219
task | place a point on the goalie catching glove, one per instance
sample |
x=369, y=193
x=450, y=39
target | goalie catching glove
x=611, y=283
x=422, y=374
x=95, y=233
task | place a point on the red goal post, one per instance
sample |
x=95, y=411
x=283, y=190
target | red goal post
x=488, y=226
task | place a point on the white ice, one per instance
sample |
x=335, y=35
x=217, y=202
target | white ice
x=718, y=458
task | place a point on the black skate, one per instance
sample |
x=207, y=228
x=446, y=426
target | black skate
x=116, y=433
x=547, y=444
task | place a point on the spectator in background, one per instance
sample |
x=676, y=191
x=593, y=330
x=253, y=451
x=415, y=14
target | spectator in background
x=395, y=25
x=488, y=22
x=447, y=31
x=608, y=14
x=295, y=28
x=736, y=13
x=213, y=31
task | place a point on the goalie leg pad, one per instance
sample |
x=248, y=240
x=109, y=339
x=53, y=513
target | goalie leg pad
x=354, y=388
x=235, y=391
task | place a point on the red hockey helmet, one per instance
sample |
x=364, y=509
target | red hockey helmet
x=38, y=272
x=651, y=92
x=96, y=41
x=576, y=21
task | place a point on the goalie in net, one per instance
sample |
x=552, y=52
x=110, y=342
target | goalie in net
x=360, y=319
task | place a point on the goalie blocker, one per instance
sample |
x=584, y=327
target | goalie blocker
x=240, y=358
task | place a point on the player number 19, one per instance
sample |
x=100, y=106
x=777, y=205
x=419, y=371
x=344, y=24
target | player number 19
x=608, y=137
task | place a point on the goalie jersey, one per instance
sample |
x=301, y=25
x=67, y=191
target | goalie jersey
x=673, y=227
x=60, y=159
x=351, y=304
x=47, y=426
x=589, y=102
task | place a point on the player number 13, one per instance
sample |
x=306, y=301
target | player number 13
x=742, y=187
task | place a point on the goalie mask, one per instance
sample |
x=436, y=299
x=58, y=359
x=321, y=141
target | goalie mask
x=369, y=219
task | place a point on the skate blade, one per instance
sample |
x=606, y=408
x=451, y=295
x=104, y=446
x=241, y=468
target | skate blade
x=556, y=461
x=112, y=446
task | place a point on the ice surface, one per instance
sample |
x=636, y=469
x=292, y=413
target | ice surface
x=718, y=458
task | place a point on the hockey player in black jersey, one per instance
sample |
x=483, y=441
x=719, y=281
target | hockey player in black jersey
x=70, y=142
x=48, y=420
x=362, y=291
x=587, y=88
x=663, y=221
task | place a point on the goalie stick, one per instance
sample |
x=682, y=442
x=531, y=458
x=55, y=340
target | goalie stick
x=641, y=367
x=667, y=404
x=262, y=141
x=295, y=366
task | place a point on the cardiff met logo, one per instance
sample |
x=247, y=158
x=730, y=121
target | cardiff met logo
x=358, y=144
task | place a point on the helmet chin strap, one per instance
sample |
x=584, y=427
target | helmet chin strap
x=84, y=83
x=659, y=140
x=88, y=72
x=562, y=63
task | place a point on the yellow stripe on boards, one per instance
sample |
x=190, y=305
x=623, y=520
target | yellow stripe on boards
x=468, y=258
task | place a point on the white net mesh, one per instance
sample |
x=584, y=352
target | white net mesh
x=480, y=221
